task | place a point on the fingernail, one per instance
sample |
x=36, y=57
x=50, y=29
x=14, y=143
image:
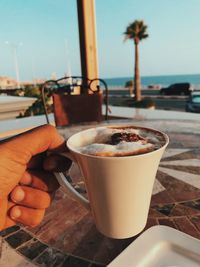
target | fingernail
x=18, y=194
x=15, y=213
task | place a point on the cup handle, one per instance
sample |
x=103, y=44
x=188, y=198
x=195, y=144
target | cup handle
x=62, y=180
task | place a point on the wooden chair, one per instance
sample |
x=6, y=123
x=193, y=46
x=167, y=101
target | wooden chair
x=76, y=100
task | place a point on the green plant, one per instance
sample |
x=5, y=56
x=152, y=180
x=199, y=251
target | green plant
x=37, y=107
x=32, y=91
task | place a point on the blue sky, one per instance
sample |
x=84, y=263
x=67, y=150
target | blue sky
x=43, y=26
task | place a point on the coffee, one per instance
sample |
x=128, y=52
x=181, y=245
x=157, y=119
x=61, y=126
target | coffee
x=122, y=141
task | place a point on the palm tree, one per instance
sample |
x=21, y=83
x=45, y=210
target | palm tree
x=137, y=31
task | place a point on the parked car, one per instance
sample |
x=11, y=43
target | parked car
x=193, y=104
x=177, y=89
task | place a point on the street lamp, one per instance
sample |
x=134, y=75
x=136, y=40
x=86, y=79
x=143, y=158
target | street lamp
x=15, y=47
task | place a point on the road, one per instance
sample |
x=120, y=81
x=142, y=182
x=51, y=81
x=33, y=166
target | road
x=119, y=97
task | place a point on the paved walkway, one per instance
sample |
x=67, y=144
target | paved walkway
x=67, y=236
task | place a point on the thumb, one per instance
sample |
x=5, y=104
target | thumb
x=35, y=141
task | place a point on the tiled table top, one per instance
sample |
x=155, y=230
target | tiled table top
x=68, y=237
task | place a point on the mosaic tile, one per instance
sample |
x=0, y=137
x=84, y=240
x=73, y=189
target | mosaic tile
x=196, y=221
x=85, y=241
x=189, y=154
x=108, y=249
x=51, y=257
x=161, y=198
x=153, y=213
x=186, y=162
x=32, y=249
x=63, y=217
x=75, y=262
x=189, y=178
x=173, y=152
x=179, y=140
x=168, y=222
x=195, y=153
x=74, y=235
x=183, y=224
x=157, y=187
x=181, y=210
x=18, y=238
x=10, y=258
x=187, y=169
x=193, y=204
x=166, y=209
x=9, y=230
x=192, y=153
x=177, y=189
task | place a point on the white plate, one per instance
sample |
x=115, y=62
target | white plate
x=160, y=246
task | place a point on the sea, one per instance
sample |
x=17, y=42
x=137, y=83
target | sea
x=164, y=80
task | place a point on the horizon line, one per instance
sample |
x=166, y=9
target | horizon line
x=161, y=75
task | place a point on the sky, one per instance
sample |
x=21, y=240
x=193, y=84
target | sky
x=45, y=35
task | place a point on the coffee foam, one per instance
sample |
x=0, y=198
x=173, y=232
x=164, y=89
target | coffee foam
x=98, y=144
x=121, y=149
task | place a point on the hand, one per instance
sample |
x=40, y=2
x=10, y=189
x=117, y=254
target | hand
x=26, y=178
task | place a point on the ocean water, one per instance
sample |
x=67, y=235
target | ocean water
x=194, y=79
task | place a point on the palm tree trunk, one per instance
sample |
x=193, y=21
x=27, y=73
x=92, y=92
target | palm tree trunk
x=137, y=75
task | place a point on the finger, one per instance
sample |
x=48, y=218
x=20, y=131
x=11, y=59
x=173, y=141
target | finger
x=30, y=197
x=56, y=163
x=24, y=146
x=26, y=216
x=41, y=180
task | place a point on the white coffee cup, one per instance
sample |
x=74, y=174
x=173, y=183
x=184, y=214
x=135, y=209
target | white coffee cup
x=119, y=188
